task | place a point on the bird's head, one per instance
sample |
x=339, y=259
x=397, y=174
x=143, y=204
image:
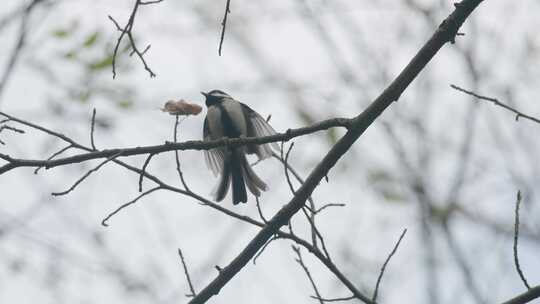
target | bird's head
x=215, y=97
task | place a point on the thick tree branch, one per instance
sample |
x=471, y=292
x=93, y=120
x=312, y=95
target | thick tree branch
x=445, y=33
x=526, y=297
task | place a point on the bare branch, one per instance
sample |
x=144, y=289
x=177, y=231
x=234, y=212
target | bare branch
x=260, y=210
x=461, y=261
x=19, y=44
x=262, y=249
x=188, y=278
x=127, y=31
x=497, y=103
x=92, y=126
x=141, y=176
x=150, y=2
x=104, y=221
x=375, y=293
x=187, y=145
x=86, y=175
x=329, y=205
x=308, y=274
x=286, y=166
x=54, y=155
x=177, y=157
x=2, y=128
x=516, y=237
x=335, y=299
x=223, y=25
x=289, y=168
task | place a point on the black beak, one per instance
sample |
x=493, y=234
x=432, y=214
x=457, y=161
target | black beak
x=204, y=94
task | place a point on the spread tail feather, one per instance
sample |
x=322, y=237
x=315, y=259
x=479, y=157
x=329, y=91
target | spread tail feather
x=236, y=170
x=238, y=162
x=224, y=181
x=253, y=182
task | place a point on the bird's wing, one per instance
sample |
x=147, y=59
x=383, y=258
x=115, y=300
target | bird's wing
x=258, y=127
x=214, y=158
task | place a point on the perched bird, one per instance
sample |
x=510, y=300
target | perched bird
x=229, y=118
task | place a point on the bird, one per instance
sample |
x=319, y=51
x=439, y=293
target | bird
x=229, y=118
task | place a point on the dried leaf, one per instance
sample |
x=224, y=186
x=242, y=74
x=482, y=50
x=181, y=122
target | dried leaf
x=181, y=107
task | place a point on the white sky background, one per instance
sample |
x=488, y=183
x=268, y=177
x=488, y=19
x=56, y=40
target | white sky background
x=54, y=250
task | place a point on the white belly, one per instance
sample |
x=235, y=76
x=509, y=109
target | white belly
x=234, y=110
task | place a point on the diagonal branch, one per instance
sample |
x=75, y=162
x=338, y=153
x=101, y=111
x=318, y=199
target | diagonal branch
x=496, y=102
x=375, y=293
x=224, y=25
x=526, y=297
x=186, y=272
x=300, y=261
x=445, y=33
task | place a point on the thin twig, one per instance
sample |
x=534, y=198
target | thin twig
x=188, y=278
x=286, y=167
x=19, y=45
x=104, y=221
x=127, y=31
x=86, y=175
x=150, y=2
x=374, y=299
x=223, y=25
x=315, y=233
x=262, y=249
x=54, y=155
x=177, y=157
x=2, y=128
x=516, y=237
x=497, y=103
x=92, y=127
x=334, y=299
x=461, y=260
x=306, y=270
x=141, y=176
x=260, y=210
x=327, y=206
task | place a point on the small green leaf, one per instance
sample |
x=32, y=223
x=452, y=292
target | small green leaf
x=101, y=63
x=84, y=96
x=71, y=55
x=91, y=40
x=60, y=33
x=126, y=104
x=390, y=195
